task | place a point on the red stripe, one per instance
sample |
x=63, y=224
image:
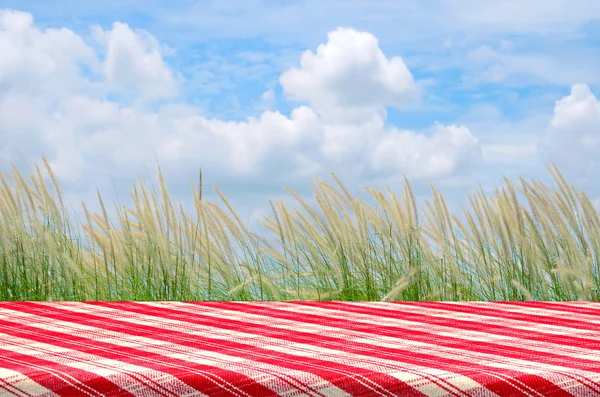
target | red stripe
x=292, y=336
x=400, y=355
x=475, y=346
x=338, y=374
x=330, y=371
x=318, y=367
x=187, y=371
x=577, y=307
x=468, y=325
x=528, y=317
x=87, y=383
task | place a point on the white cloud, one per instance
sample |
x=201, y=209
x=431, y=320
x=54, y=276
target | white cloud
x=35, y=61
x=508, y=144
x=268, y=101
x=579, y=111
x=268, y=96
x=529, y=66
x=349, y=75
x=240, y=146
x=134, y=59
x=350, y=71
x=534, y=16
x=450, y=149
x=572, y=139
x=50, y=107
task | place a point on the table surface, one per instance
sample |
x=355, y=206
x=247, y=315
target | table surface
x=299, y=349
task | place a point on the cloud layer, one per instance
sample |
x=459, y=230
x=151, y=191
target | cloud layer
x=108, y=102
x=572, y=139
x=347, y=84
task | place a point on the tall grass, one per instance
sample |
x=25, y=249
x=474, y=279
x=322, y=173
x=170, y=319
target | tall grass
x=546, y=249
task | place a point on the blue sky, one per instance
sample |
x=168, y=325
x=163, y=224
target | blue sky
x=265, y=94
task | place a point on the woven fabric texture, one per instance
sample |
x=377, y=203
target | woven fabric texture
x=299, y=349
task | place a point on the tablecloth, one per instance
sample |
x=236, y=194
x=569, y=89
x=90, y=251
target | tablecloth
x=299, y=349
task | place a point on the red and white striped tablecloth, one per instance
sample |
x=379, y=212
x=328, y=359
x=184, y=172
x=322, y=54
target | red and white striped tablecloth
x=299, y=349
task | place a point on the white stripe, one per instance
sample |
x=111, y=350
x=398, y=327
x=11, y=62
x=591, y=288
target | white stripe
x=18, y=384
x=391, y=367
x=166, y=349
x=112, y=370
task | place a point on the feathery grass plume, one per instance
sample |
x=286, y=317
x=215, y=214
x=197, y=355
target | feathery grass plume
x=348, y=237
x=333, y=203
x=541, y=230
x=215, y=227
x=219, y=222
x=518, y=246
x=402, y=284
x=329, y=244
x=110, y=242
x=238, y=230
x=211, y=251
x=504, y=222
x=366, y=256
x=408, y=236
x=199, y=207
x=44, y=273
x=54, y=183
x=318, y=219
x=172, y=229
x=568, y=195
x=383, y=228
x=337, y=229
x=343, y=187
x=130, y=253
x=569, y=249
x=91, y=251
x=44, y=198
x=358, y=239
x=293, y=240
x=240, y=234
x=10, y=208
x=24, y=186
x=592, y=228
x=318, y=246
x=283, y=260
x=437, y=227
x=282, y=226
x=192, y=232
x=507, y=232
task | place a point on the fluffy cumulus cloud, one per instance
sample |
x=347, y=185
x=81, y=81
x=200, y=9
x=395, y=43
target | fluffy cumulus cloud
x=244, y=144
x=574, y=128
x=349, y=75
x=451, y=148
x=61, y=97
x=47, y=99
x=134, y=60
x=35, y=62
x=349, y=82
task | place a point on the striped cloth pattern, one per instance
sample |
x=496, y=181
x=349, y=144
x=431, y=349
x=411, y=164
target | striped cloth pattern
x=299, y=349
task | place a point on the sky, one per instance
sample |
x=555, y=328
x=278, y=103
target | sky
x=263, y=94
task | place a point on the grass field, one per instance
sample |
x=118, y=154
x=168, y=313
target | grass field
x=545, y=248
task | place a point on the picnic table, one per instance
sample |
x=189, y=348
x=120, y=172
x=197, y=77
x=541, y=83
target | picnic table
x=299, y=349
